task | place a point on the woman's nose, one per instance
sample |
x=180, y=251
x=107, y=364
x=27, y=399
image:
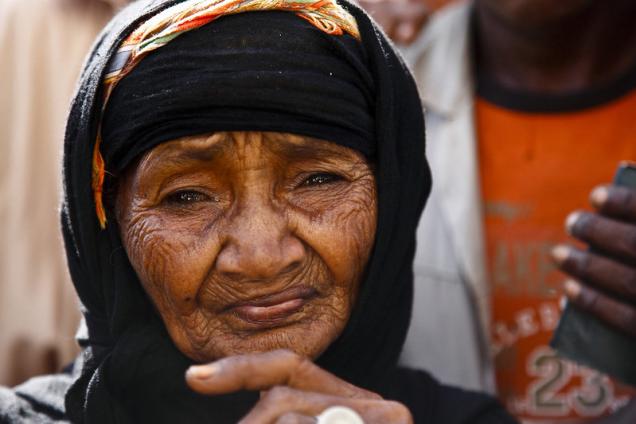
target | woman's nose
x=259, y=245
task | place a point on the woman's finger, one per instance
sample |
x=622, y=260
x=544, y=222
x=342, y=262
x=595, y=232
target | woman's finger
x=600, y=272
x=262, y=371
x=608, y=235
x=615, y=201
x=614, y=312
x=282, y=400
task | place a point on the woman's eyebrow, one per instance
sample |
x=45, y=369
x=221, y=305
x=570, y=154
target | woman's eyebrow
x=309, y=150
x=186, y=154
x=203, y=155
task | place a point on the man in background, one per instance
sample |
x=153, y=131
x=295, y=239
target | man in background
x=42, y=47
x=529, y=105
x=402, y=20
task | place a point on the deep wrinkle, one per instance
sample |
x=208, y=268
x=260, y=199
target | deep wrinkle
x=216, y=225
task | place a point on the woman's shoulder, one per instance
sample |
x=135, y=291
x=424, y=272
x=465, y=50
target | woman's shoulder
x=433, y=402
x=39, y=400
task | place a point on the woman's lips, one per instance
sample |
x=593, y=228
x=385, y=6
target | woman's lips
x=269, y=313
x=273, y=308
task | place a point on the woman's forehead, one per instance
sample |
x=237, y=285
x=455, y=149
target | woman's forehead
x=206, y=148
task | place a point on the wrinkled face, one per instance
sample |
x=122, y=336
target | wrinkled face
x=249, y=241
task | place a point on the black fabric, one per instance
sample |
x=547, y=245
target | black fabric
x=541, y=103
x=269, y=72
x=40, y=401
x=132, y=371
x=431, y=402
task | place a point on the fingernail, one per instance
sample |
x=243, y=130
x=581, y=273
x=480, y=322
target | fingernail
x=202, y=372
x=572, y=289
x=560, y=253
x=599, y=196
x=570, y=221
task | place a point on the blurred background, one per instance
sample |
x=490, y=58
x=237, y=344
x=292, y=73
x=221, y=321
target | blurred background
x=42, y=46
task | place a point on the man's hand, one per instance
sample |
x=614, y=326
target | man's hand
x=293, y=389
x=402, y=20
x=604, y=281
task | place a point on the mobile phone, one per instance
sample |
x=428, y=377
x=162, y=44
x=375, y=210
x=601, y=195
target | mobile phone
x=585, y=339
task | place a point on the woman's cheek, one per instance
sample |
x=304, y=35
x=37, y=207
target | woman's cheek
x=360, y=218
x=341, y=229
x=168, y=261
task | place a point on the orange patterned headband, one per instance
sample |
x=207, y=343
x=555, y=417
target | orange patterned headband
x=164, y=27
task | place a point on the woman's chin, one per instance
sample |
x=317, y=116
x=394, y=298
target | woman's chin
x=305, y=337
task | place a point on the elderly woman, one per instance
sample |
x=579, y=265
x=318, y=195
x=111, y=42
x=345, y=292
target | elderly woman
x=243, y=181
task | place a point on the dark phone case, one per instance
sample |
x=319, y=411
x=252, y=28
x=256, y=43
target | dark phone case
x=590, y=342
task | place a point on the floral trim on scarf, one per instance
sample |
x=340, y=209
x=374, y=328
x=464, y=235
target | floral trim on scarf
x=164, y=27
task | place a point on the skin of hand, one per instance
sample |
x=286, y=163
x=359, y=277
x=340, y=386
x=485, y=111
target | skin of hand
x=402, y=20
x=604, y=281
x=293, y=389
x=249, y=241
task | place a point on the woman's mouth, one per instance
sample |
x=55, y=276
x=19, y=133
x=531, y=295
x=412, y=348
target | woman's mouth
x=275, y=308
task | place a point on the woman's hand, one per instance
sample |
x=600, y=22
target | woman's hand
x=293, y=389
x=604, y=280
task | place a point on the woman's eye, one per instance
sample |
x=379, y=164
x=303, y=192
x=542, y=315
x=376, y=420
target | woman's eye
x=187, y=197
x=320, y=179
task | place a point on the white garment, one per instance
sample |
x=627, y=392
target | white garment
x=42, y=47
x=451, y=311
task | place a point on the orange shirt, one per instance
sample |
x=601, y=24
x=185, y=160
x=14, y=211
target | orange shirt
x=536, y=167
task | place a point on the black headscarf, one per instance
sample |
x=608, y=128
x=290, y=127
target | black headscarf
x=132, y=371
x=262, y=71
